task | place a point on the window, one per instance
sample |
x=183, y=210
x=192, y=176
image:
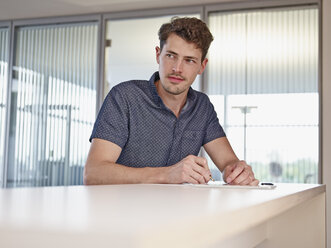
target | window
x=53, y=103
x=132, y=52
x=263, y=81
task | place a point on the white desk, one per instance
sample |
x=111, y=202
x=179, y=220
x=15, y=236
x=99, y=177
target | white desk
x=169, y=216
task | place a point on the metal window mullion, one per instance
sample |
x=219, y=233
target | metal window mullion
x=8, y=99
x=3, y=72
x=3, y=113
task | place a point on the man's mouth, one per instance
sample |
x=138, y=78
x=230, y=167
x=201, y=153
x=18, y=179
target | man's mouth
x=175, y=79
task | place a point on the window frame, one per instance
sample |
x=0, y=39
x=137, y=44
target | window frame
x=3, y=167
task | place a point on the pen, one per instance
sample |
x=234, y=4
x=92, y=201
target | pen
x=211, y=178
x=271, y=184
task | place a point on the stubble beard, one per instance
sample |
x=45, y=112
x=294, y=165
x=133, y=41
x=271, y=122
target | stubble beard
x=173, y=91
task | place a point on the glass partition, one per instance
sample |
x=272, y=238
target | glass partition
x=263, y=80
x=53, y=102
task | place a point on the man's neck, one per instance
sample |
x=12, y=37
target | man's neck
x=174, y=102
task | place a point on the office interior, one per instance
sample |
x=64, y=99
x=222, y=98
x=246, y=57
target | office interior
x=99, y=25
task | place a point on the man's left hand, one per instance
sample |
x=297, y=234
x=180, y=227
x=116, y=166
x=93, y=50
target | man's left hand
x=239, y=173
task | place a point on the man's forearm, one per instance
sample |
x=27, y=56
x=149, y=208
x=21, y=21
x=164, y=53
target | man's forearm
x=113, y=173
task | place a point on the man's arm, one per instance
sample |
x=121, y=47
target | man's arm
x=234, y=171
x=101, y=168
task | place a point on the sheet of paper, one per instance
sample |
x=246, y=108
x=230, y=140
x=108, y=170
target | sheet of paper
x=223, y=185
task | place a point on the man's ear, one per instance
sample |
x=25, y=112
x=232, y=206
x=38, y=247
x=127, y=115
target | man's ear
x=203, y=66
x=158, y=52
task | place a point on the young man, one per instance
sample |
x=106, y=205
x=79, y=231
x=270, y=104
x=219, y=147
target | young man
x=152, y=131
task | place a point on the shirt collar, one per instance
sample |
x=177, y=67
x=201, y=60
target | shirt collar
x=191, y=96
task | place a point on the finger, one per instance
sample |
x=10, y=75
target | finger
x=191, y=180
x=247, y=181
x=245, y=175
x=202, y=168
x=198, y=177
x=255, y=182
x=202, y=171
x=236, y=171
x=227, y=171
x=202, y=162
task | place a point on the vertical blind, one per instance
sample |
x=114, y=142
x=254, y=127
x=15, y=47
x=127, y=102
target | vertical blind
x=270, y=51
x=263, y=81
x=53, y=100
x=3, y=93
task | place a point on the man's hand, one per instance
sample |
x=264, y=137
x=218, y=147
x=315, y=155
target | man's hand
x=239, y=173
x=191, y=169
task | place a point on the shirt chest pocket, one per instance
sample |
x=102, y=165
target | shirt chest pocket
x=191, y=142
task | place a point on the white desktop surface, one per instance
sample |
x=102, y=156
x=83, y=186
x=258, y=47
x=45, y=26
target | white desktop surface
x=155, y=215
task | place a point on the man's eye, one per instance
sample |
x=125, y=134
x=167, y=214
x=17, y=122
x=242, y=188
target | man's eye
x=190, y=60
x=170, y=55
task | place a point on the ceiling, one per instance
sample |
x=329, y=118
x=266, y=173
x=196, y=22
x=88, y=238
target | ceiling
x=23, y=9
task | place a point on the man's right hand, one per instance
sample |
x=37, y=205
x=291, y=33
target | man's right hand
x=101, y=168
x=191, y=169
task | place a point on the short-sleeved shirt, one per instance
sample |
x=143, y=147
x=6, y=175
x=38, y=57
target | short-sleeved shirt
x=134, y=117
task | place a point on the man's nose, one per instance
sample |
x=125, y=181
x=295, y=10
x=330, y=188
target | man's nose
x=178, y=66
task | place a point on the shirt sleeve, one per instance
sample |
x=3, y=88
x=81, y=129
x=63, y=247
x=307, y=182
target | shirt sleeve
x=112, y=121
x=214, y=129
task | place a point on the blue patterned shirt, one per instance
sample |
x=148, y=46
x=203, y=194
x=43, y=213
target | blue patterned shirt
x=134, y=117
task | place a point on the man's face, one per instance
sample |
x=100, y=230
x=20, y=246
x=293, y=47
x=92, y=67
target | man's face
x=179, y=64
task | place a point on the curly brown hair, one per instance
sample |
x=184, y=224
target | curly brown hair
x=191, y=29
